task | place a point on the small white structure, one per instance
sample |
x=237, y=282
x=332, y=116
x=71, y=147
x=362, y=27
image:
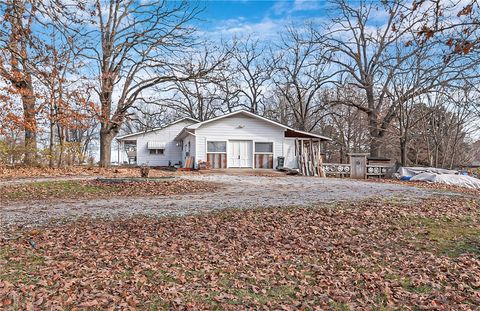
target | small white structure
x=239, y=139
x=156, y=147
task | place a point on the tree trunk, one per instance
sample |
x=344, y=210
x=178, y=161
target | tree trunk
x=30, y=125
x=106, y=138
x=375, y=142
x=375, y=139
x=342, y=155
x=51, y=163
x=53, y=119
x=375, y=147
x=20, y=77
x=61, y=155
x=403, y=151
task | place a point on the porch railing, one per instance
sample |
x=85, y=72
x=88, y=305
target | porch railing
x=337, y=169
x=343, y=170
x=376, y=170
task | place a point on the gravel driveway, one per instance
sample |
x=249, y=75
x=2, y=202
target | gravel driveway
x=235, y=192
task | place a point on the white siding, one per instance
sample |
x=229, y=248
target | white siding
x=239, y=127
x=172, y=153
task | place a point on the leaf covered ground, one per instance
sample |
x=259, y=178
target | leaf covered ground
x=83, y=189
x=365, y=255
x=7, y=173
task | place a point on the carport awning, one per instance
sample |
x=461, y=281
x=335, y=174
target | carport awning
x=301, y=134
x=156, y=145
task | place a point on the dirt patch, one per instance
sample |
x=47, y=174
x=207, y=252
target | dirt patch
x=101, y=188
x=364, y=255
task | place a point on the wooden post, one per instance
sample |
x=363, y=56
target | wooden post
x=302, y=157
x=320, y=160
x=314, y=161
x=297, y=154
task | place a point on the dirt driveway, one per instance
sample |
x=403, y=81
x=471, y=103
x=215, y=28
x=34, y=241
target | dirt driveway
x=235, y=192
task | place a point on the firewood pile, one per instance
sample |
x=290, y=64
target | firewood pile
x=309, y=157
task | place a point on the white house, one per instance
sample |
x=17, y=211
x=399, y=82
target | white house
x=239, y=139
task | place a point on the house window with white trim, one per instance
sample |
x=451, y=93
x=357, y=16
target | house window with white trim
x=263, y=154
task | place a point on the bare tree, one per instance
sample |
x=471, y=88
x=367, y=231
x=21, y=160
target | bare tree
x=136, y=45
x=456, y=20
x=444, y=133
x=253, y=72
x=17, y=64
x=301, y=69
x=63, y=92
x=24, y=45
x=203, y=97
x=462, y=123
x=409, y=78
x=371, y=56
x=345, y=124
x=197, y=99
x=147, y=117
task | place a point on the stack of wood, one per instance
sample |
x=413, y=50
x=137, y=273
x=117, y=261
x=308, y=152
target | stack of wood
x=188, y=166
x=309, y=157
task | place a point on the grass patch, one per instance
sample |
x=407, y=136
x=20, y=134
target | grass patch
x=79, y=189
x=450, y=237
x=340, y=306
x=407, y=284
x=156, y=304
x=21, y=269
x=55, y=189
x=159, y=277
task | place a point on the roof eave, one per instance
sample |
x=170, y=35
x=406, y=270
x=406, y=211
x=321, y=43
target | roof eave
x=199, y=124
x=311, y=134
x=183, y=133
x=156, y=129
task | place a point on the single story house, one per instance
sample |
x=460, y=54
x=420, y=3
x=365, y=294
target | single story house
x=239, y=139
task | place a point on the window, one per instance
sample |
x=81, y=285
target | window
x=216, y=147
x=157, y=151
x=263, y=147
x=217, y=154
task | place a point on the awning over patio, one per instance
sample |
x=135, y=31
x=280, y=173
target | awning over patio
x=301, y=134
x=156, y=145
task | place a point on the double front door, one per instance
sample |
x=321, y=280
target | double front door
x=240, y=153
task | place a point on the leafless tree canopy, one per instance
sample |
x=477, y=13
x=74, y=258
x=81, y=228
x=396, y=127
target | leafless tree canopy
x=393, y=78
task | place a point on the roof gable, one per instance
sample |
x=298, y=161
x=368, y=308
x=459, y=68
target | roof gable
x=255, y=116
x=158, y=128
x=235, y=113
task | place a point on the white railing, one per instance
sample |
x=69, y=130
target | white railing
x=337, y=169
x=378, y=170
x=343, y=170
